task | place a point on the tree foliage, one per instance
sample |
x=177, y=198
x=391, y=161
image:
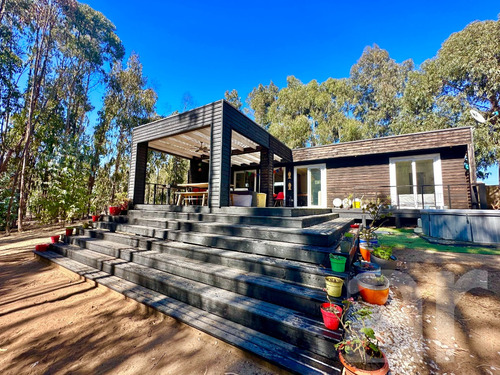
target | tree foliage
x=233, y=98
x=383, y=97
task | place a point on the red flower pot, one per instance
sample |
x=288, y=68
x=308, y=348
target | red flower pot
x=69, y=231
x=95, y=218
x=54, y=239
x=354, y=225
x=42, y=247
x=114, y=210
x=331, y=319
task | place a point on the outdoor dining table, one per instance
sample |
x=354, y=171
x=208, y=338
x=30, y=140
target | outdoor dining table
x=189, y=193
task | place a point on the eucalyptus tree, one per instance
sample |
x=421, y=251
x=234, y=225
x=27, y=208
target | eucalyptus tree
x=127, y=104
x=233, y=98
x=260, y=100
x=464, y=75
x=378, y=83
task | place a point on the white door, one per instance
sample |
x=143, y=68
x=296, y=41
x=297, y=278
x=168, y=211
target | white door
x=310, y=186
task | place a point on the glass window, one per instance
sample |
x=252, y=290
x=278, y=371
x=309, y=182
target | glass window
x=315, y=186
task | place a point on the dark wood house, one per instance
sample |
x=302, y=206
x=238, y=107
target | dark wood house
x=235, y=156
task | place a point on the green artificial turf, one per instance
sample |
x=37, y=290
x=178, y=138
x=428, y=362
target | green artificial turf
x=406, y=238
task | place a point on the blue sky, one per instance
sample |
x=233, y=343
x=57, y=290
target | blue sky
x=207, y=47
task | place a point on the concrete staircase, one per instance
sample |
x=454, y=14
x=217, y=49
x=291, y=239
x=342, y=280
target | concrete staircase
x=252, y=277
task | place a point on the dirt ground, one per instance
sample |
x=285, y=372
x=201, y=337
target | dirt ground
x=54, y=323
x=459, y=298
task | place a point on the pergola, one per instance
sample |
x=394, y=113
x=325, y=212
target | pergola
x=217, y=134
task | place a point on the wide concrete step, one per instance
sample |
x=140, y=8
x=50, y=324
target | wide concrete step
x=230, y=218
x=266, y=288
x=278, y=352
x=285, y=269
x=325, y=234
x=271, y=319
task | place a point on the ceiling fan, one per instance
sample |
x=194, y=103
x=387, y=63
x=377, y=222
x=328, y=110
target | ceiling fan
x=201, y=149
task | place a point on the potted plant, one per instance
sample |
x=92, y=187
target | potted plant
x=378, y=213
x=54, y=239
x=331, y=313
x=69, y=231
x=359, y=351
x=373, y=289
x=42, y=247
x=337, y=262
x=382, y=255
x=115, y=210
x=366, y=267
x=334, y=286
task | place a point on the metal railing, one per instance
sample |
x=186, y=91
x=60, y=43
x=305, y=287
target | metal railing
x=158, y=193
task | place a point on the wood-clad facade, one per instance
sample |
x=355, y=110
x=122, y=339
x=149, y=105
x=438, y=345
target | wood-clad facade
x=362, y=168
x=366, y=168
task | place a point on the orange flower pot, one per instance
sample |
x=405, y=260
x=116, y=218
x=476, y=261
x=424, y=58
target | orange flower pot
x=374, y=294
x=365, y=252
x=353, y=370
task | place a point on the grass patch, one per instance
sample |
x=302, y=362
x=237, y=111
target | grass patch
x=406, y=238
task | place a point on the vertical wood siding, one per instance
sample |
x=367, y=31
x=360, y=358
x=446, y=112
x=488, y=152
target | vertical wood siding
x=266, y=175
x=137, y=175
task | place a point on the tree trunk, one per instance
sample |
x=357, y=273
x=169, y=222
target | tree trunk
x=11, y=201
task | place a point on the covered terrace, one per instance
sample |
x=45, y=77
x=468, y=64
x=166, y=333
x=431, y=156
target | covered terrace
x=217, y=139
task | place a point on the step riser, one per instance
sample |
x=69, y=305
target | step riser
x=247, y=317
x=281, y=297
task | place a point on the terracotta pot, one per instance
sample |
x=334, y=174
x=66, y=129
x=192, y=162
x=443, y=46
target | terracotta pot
x=331, y=319
x=374, y=294
x=54, y=239
x=365, y=252
x=352, y=370
x=95, y=218
x=114, y=210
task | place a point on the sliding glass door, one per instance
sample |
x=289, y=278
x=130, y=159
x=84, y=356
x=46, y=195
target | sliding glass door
x=416, y=181
x=310, y=186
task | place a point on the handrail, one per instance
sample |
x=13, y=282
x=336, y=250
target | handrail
x=158, y=193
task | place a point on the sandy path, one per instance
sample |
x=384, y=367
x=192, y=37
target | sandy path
x=54, y=323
